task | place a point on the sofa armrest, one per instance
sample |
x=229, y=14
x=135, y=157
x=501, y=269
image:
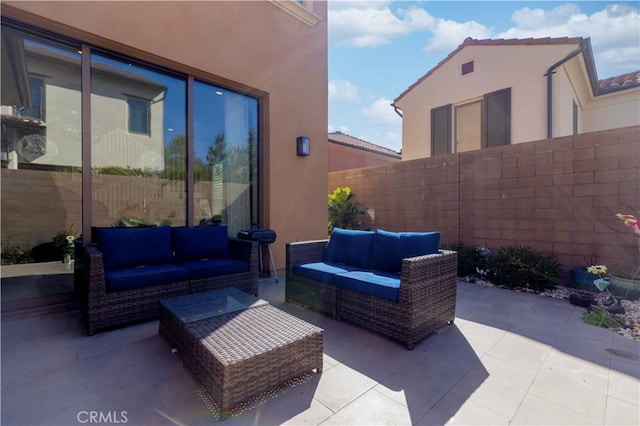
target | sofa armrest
x=429, y=279
x=95, y=280
x=243, y=249
x=248, y=251
x=304, y=252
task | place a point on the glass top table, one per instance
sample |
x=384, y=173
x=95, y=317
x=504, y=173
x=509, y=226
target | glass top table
x=208, y=304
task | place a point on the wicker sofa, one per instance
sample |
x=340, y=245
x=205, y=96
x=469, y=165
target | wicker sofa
x=398, y=284
x=129, y=270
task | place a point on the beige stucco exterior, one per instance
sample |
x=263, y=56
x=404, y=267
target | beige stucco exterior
x=523, y=68
x=275, y=53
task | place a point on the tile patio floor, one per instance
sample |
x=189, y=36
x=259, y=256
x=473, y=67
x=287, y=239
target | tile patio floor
x=510, y=358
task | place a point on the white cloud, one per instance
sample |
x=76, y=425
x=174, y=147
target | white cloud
x=381, y=111
x=373, y=23
x=537, y=18
x=448, y=35
x=368, y=24
x=614, y=32
x=342, y=90
x=343, y=129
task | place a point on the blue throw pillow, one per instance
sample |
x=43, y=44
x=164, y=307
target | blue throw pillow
x=132, y=247
x=389, y=248
x=349, y=246
x=203, y=242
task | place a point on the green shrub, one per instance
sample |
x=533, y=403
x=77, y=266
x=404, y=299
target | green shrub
x=600, y=317
x=16, y=253
x=343, y=211
x=523, y=267
x=470, y=259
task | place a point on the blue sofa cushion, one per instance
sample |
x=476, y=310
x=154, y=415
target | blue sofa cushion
x=203, y=242
x=384, y=285
x=348, y=246
x=320, y=271
x=389, y=248
x=199, y=269
x=147, y=276
x=131, y=247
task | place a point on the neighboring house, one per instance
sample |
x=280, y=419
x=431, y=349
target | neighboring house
x=180, y=111
x=496, y=92
x=347, y=152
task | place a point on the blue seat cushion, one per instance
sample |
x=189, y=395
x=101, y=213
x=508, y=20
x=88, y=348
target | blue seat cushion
x=349, y=246
x=199, y=269
x=384, y=285
x=320, y=271
x=124, y=248
x=145, y=276
x=203, y=242
x=389, y=248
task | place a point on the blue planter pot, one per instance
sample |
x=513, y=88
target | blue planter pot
x=582, y=280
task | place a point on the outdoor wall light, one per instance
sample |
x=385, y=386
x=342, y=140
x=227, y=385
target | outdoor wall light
x=302, y=146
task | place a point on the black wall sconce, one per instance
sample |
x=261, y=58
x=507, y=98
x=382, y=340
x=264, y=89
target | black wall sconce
x=302, y=146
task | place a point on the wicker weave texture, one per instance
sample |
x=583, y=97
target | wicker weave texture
x=242, y=354
x=426, y=303
x=102, y=309
x=316, y=295
x=178, y=311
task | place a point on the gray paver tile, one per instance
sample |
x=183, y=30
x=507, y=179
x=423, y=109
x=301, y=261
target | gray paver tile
x=536, y=411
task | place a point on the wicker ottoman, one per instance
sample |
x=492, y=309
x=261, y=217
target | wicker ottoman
x=240, y=353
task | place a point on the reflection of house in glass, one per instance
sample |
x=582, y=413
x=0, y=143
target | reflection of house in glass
x=128, y=132
x=41, y=121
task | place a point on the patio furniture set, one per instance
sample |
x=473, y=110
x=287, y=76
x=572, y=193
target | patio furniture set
x=203, y=287
x=129, y=270
x=397, y=284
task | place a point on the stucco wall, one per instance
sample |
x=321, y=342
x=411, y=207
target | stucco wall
x=343, y=158
x=253, y=47
x=558, y=196
x=495, y=67
x=614, y=110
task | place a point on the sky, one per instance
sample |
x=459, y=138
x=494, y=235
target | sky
x=377, y=49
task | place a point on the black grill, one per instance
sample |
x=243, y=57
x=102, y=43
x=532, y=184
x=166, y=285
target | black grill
x=264, y=236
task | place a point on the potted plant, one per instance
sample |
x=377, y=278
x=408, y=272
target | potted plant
x=64, y=243
x=625, y=281
x=581, y=278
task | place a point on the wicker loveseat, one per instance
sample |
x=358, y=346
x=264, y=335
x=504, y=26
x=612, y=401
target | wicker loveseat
x=129, y=270
x=398, y=284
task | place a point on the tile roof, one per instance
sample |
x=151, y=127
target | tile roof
x=619, y=82
x=494, y=42
x=343, y=139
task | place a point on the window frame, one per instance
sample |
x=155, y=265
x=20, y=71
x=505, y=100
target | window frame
x=489, y=115
x=147, y=105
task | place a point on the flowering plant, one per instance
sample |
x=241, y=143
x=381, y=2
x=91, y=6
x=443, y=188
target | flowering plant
x=632, y=223
x=601, y=271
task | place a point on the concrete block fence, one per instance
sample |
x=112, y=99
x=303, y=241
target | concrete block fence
x=557, y=196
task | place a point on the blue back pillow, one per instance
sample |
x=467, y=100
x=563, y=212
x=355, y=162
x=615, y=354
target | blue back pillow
x=132, y=247
x=349, y=246
x=203, y=242
x=389, y=248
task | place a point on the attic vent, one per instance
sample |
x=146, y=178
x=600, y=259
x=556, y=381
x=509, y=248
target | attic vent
x=467, y=67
